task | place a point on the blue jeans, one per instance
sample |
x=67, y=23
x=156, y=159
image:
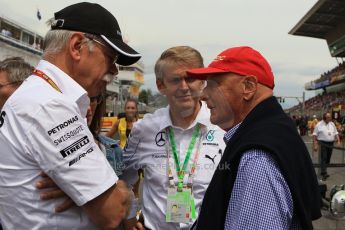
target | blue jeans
x=114, y=153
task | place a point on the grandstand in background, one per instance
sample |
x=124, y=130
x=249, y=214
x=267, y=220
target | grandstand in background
x=16, y=40
x=325, y=20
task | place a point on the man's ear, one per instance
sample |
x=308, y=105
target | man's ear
x=75, y=45
x=160, y=86
x=250, y=84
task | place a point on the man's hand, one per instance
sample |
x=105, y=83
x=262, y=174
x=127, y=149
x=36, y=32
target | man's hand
x=54, y=193
x=315, y=146
x=110, y=208
x=122, y=188
x=315, y=149
x=138, y=226
x=338, y=143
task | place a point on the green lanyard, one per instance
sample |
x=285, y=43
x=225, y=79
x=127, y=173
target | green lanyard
x=181, y=172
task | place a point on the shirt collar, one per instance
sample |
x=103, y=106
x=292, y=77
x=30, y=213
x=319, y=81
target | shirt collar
x=66, y=84
x=203, y=117
x=229, y=134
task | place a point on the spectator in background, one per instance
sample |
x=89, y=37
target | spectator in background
x=109, y=147
x=6, y=33
x=13, y=71
x=313, y=124
x=302, y=125
x=124, y=124
x=324, y=136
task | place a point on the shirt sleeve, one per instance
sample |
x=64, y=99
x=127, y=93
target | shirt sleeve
x=61, y=143
x=131, y=157
x=260, y=198
x=335, y=129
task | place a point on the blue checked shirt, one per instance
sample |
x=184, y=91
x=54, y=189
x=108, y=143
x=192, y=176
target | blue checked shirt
x=260, y=198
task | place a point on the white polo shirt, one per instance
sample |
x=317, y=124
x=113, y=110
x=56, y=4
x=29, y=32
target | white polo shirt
x=45, y=130
x=325, y=132
x=146, y=148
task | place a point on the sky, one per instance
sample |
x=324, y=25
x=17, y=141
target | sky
x=210, y=26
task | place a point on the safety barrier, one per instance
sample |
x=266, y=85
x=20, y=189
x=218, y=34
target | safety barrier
x=332, y=165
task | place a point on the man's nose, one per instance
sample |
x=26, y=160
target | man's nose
x=184, y=84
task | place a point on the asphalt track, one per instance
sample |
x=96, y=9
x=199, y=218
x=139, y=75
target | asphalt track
x=337, y=177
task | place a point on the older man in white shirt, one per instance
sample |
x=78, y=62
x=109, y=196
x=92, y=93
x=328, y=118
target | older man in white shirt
x=324, y=135
x=80, y=50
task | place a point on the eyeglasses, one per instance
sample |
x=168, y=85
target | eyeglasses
x=176, y=80
x=97, y=99
x=10, y=83
x=111, y=54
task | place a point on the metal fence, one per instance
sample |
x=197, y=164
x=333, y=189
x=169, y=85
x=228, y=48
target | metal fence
x=332, y=165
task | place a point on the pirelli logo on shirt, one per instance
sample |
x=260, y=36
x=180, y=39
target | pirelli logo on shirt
x=75, y=146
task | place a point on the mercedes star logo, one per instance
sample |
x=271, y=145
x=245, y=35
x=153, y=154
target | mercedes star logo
x=160, y=141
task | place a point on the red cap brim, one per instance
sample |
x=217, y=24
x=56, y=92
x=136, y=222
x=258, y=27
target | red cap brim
x=203, y=73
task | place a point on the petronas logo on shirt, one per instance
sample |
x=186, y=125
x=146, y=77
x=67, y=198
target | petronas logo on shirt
x=210, y=135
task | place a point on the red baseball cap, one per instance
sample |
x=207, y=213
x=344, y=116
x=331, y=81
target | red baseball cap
x=241, y=60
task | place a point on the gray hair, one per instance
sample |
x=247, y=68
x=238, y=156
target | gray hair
x=178, y=55
x=16, y=68
x=56, y=40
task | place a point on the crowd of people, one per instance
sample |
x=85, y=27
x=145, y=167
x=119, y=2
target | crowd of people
x=306, y=124
x=219, y=137
x=337, y=71
x=326, y=100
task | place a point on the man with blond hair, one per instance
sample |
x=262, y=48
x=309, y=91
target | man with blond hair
x=177, y=146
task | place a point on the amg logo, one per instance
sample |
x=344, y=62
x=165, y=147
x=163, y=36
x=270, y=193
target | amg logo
x=75, y=160
x=74, y=147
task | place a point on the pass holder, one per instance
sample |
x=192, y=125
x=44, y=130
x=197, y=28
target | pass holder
x=180, y=206
x=180, y=199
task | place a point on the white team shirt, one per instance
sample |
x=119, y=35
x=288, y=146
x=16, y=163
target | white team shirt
x=146, y=148
x=325, y=132
x=44, y=130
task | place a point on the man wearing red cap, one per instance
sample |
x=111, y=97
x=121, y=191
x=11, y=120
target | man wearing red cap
x=271, y=183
